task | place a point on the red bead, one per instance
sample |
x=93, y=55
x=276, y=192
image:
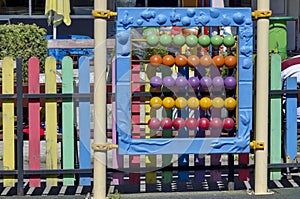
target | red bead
x=178, y=123
x=216, y=123
x=191, y=123
x=203, y=123
x=166, y=123
x=228, y=124
x=154, y=123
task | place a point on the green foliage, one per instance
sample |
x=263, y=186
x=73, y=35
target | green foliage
x=116, y=195
x=155, y=51
x=23, y=41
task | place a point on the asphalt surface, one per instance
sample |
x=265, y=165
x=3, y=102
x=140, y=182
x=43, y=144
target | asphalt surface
x=283, y=193
x=278, y=193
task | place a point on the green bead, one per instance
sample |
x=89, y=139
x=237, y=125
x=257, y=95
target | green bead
x=191, y=40
x=179, y=40
x=204, y=40
x=216, y=40
x=165, y=40
x=152, y=40
x=229, y=41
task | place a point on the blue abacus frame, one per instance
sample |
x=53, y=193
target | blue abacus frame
x=185, y=17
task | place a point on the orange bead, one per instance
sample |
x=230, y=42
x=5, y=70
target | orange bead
x=168, y=60
x=230, y=61
x=155, y=60
x=193, y=60
x=219, y=60
x=205, y=61
x=181, y=60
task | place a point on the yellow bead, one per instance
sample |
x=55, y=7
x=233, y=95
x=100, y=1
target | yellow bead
x=193, y=103
x=155, y=102
x=180, y=103
x=218, y=102
x=205, y=103
x=230, y=103
x=168, y=102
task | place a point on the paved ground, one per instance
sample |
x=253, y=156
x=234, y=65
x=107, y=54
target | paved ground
x=285, y=193
x=278, y=193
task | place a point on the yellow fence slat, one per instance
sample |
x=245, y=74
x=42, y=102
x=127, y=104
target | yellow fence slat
x=51, y=120
x=8, y=120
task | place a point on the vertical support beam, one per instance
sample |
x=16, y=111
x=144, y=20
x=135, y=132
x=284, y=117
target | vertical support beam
x=262, y=98
x=20, y=165
x=100, y=102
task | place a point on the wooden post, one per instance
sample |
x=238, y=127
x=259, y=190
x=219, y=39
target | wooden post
x=100, y=102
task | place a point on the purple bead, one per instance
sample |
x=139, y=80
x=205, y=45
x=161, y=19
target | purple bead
x=194, y=82
x=205, y=82
x=168, y=81
x=155, y=81
x=230, y=82
x=218, y=81
x=181, y=81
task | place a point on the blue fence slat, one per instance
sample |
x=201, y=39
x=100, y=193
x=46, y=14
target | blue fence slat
x=84, y=119
x=291, y=121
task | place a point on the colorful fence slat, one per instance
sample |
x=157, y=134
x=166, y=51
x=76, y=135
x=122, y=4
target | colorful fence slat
x=291, y=120
x=51, y=120
x=34, y=119
x=117, y=160
x=68, y=120
x=167, y=160
x=275, y=116
x=134, y=161
x=8, y=121
x=84, y=120
x=150, y=160
x=183, y=160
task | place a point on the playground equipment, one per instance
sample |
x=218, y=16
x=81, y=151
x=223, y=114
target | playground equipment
x=160, y=105
x=185, y=90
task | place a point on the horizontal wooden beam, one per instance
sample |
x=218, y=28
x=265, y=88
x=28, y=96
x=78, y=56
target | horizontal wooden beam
x=77, y=43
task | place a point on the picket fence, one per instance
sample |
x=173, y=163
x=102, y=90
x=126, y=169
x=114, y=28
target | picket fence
x=45, y=96
x=142, y=173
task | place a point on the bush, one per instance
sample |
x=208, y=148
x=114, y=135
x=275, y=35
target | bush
x=23, y=41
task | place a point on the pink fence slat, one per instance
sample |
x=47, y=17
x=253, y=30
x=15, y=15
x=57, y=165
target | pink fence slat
x=34, y=120
x=117, y=160
x=244, y=174
x=134, y=178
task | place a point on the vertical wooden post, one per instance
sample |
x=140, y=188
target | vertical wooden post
x=100, y=102
x=262, y=99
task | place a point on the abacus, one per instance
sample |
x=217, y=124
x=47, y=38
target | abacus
x=179, y=92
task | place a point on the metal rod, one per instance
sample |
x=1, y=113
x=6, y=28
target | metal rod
x=20, y=188
x=30, y=8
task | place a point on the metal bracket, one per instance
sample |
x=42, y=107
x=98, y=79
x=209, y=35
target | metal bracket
x=261, y=13
x=257, y=145
x=104, y=147
x=103, y=14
